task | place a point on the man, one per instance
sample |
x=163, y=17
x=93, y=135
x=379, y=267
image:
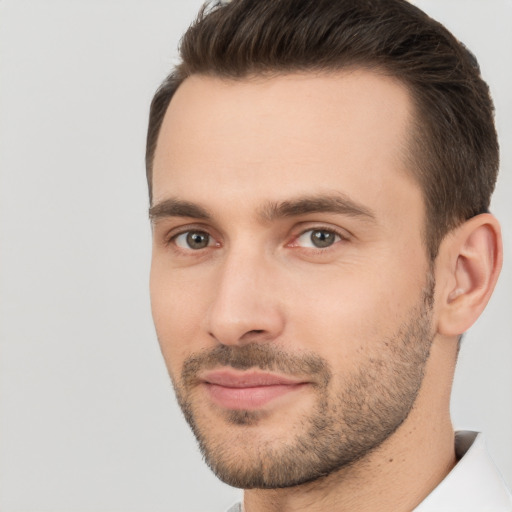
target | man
x=320, y=175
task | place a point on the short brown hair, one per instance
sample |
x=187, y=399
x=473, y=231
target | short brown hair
x=454, y=148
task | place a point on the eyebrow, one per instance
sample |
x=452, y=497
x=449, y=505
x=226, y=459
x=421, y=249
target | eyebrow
x=334, y=203
x=173, y=207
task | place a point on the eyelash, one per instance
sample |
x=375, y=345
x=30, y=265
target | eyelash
x=171, y=239
x=339, y=235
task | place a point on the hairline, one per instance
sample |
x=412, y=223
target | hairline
x=416, y=118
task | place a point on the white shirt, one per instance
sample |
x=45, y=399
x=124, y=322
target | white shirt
x=473, y=485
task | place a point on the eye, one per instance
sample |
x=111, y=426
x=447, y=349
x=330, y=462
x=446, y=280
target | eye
x=317, y=238
x=194, y=240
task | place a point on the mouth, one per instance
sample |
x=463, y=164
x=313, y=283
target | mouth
x=247, y=390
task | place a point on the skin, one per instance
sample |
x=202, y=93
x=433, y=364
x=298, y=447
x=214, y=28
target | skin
x=236, y=149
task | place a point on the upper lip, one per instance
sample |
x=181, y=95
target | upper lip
x=247, y=379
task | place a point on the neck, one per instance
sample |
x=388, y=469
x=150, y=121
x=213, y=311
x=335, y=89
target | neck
x=397, y=475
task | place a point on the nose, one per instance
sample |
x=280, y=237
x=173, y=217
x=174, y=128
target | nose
x=245, y=308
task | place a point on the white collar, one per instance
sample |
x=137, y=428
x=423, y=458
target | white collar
x=473, y=485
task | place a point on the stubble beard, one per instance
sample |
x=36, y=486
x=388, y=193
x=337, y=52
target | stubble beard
x=344, y=426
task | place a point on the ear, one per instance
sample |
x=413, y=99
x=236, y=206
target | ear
x=468, y=266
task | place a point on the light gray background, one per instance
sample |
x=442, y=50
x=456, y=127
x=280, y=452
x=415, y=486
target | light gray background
x=88, y=421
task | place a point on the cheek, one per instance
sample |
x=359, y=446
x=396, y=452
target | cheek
x=349, y=314
x=177, y=307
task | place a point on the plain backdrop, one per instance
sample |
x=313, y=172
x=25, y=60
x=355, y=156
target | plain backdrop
x=88, y=421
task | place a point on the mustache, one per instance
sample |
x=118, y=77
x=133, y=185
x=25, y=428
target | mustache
x=254, y=355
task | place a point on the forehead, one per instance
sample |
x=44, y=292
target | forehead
x=273, y=137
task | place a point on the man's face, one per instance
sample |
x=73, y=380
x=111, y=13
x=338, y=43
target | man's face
x=290, y=287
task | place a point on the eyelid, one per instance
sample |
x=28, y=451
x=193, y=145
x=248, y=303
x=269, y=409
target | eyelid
x=342, y=234
x=183, y=244
x=171, y=234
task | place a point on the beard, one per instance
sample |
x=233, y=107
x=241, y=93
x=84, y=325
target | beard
x=347, y=421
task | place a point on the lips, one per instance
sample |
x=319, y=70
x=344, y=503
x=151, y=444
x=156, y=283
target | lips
x=247, y=390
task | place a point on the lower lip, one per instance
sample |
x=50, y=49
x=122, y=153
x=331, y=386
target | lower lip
x=249, y=398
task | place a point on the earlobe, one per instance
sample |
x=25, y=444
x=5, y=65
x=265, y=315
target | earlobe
x=471, y=258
